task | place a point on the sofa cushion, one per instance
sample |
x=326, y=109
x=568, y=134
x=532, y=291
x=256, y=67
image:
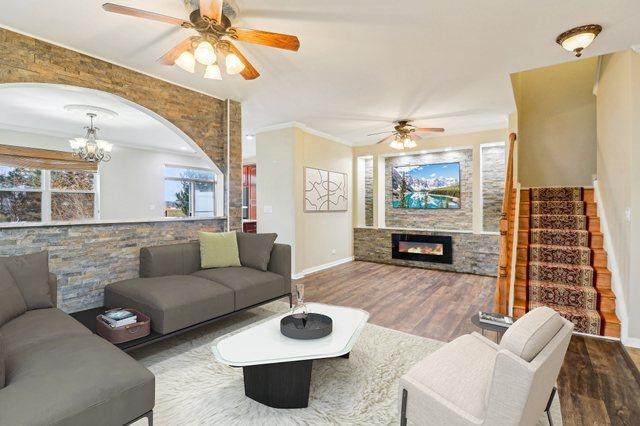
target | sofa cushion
x=37, y=326
x=173, y=302
x=531, y=333
x=460, y=372
x=250, y=285
x=31, y=273
x=218, y=249
x=11, y=301
x=169, y=259
x=76, y=380
x=255, y=249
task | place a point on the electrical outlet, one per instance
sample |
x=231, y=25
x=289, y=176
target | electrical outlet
x=152, y=206
x=333, y=251
x=268, y=209
x=627, y=214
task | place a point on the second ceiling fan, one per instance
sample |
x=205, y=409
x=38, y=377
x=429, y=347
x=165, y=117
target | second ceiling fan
x=215, y=39
x=404, y=134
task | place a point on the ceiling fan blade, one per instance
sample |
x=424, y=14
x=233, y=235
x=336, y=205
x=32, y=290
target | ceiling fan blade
x=387, y=139
x=429, y=130
x=212, y=9
x=381, y=133
x=139, y=13
x=266, y=38
x=170, y=57
x=249, y=72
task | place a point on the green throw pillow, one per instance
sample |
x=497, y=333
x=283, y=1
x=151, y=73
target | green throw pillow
x=218, y=249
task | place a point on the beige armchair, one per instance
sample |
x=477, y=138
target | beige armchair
x=473, y=381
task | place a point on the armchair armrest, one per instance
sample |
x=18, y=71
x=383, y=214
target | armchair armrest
x=280, y=263
x=53, y=288
x=490, y=343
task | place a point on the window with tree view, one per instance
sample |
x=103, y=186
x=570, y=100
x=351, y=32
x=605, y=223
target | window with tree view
x=189, y=192
x=33, y=195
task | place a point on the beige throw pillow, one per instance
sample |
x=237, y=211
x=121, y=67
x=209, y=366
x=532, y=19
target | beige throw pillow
x=218, y=249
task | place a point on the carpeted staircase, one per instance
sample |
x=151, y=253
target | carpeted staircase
x=559, y=267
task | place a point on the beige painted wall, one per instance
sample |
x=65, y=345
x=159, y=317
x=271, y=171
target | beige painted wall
x=326, y=237
x=618, y=172
x=317, y=239
x=467, y=140
x=556, y=124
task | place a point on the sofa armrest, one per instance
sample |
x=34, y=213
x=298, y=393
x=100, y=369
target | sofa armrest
x=53, y=288
x=280, y=263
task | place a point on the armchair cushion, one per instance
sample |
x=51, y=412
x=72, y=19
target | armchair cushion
x=458, y=373
x=11, y=301
x=255, y=249
x=31, y=273
x=531, y=333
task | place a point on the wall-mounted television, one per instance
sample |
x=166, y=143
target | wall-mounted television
x=426, y=186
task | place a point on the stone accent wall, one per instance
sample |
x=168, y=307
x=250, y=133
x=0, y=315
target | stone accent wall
x=234, y=111
x=493, y=169
x=458, y=219
x=87, y=257
x=368, y=192
x=472, y=253
x=203, y=118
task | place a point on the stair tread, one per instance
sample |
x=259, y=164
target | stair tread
x=571, y=286
x=557, y=247
x=560, y=265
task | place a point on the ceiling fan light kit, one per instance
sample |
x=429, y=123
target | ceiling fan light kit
x=404, y=135
x=215, y=37
x=579, y=38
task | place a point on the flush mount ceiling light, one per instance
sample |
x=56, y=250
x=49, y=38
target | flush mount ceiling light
x=579, y=38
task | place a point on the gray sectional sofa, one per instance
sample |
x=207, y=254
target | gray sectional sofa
x=53, y=370
x=177, y=293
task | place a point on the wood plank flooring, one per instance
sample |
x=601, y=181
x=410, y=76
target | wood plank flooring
x=596, y=384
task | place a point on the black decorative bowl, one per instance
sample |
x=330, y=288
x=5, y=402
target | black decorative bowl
x=314, y=326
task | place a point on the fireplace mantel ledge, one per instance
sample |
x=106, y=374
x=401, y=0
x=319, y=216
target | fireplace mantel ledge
x=450, y=231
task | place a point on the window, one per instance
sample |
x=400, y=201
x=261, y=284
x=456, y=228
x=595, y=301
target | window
x=189, y=192
x=33, y=195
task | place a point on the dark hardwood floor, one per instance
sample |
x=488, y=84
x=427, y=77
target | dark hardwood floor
x=597, y=385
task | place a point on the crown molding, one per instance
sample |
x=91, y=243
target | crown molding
x=304, y=128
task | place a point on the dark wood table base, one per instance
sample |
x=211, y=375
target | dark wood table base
x=281, y=385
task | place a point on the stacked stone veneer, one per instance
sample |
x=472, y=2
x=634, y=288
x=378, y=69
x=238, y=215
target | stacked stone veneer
x=493, y=165
x=368, y=192
x=472, y=253
x=458, y=219
x=85, y=258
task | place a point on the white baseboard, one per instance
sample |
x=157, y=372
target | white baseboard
x=612, y=264
x=319, y=268
x=632, y=342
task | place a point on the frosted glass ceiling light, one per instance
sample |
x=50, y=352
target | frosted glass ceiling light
x=213, y=72
x=396, y=144
x=186, y=61
x=579, y=38
x=234, y=65
x=409, y=143
x=205, y=53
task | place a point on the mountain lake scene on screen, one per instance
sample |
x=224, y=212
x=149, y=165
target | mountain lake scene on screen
x=426, y=186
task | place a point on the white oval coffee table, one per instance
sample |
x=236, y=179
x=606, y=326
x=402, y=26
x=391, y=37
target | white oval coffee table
x=277, y=369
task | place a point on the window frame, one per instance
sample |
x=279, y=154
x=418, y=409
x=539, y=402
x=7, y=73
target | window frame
x=46, y=190
x=192, y=188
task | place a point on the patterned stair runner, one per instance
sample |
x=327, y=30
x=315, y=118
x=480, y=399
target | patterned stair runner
x=559, y=269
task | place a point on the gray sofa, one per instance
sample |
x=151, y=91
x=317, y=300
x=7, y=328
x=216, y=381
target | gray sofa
x=53, y=370
x=178, y=294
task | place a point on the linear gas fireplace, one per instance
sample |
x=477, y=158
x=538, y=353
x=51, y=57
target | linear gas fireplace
x=423, y=248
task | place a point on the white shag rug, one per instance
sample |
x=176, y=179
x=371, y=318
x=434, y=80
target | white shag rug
x=192, y=388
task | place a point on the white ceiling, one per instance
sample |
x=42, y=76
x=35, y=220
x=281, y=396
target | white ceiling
x=362, y=63
x=40, y=109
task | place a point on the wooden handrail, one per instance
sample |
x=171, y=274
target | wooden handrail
x=501, y=295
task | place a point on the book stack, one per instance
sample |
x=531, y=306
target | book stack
x=119, y=318
x=495, y=319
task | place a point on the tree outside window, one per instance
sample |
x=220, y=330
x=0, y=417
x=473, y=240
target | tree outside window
x=189, y=192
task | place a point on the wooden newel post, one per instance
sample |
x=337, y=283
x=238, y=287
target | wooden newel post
x=501, y=295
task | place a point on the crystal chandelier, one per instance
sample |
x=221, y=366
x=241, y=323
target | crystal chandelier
x=90, y=148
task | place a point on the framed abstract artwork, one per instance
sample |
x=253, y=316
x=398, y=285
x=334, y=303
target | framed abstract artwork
x=325, y=191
